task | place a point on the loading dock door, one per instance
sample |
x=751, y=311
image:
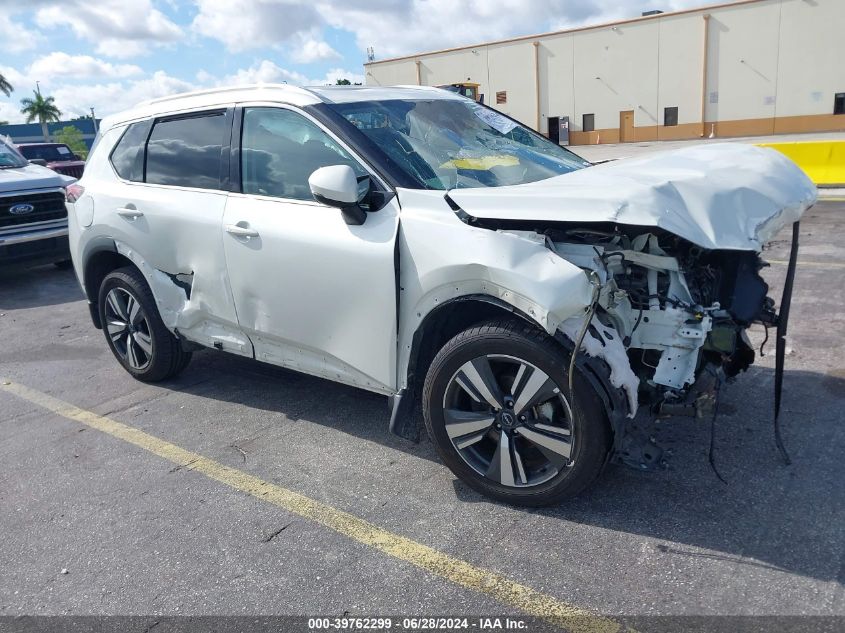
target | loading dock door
x=626, y=126
x=559, y=129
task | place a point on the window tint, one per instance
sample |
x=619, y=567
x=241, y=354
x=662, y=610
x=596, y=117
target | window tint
x=186, y=151
x=588, y=122
x=280, y=149
x=127, y=158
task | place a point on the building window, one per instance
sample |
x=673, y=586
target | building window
x=670, y=116
x=501, y=97
x=588, y=122
x=839, y=103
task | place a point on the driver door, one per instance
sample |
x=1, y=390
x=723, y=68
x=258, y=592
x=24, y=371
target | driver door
x=313, y=293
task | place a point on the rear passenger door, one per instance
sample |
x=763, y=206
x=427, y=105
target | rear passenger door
x=168, y=207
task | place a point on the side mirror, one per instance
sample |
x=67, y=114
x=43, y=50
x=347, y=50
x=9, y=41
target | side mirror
x=38, y=161
x=337, y=186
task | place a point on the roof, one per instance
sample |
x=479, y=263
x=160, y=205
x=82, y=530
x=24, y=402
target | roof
x=279, y=93
x=601, y=25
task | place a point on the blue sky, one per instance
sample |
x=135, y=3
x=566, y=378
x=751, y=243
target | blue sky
x=111, y=54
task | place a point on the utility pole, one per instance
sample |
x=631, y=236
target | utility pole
x=94, y=119
x=38, y=87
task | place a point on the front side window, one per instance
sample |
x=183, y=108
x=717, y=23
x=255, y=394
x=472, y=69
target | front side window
x=281, y=148
x=127, y=158
x=186, y=151
x=452, y=143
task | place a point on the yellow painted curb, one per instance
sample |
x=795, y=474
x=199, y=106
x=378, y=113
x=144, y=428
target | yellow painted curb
x=822, y=161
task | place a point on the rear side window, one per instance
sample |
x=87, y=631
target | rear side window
x=127, y=158
x=186, y=151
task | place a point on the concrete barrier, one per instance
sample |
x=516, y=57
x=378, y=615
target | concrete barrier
x=822, y=161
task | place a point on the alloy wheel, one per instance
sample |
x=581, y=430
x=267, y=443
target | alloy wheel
x=508, y=420
x=128, y=328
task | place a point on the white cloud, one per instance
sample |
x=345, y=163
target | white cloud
x=108, y=98
x=267, y=71
x=10, y=112
x=310, y=49
x=254, y=23
x=116, y=28
x=15, y=37
x=59, y=64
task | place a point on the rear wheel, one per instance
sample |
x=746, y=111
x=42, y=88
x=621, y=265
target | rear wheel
x=497, y=407
x=134, y=330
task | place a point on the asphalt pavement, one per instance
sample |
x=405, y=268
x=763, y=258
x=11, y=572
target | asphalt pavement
x=94, y=524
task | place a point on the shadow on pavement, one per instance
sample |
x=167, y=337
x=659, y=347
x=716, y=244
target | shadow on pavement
x=801, y=506
x=22, y=288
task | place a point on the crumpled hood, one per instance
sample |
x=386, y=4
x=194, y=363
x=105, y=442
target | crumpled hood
x=718, y=195
x=31, y=177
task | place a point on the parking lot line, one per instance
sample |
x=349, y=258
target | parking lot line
x=456, y=571
x=783, y=262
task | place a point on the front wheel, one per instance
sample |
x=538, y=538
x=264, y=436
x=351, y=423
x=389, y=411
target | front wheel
x=134, y=330
x=497, y=408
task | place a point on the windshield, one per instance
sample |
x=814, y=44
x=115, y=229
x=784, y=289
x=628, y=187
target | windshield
x=457, y=143
x=50, y=153
x=9, y=157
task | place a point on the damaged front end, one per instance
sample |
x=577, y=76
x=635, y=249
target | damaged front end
x=680, y=312
x=674, y=241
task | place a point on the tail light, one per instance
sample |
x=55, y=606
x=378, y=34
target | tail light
x=74, y=192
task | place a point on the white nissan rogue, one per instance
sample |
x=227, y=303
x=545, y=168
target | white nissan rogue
x=417, y=244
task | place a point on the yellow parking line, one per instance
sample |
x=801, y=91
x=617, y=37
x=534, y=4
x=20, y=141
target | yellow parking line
x=783, y=262
x=427, y=558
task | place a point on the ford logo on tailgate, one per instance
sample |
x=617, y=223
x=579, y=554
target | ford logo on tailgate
x=21, y=209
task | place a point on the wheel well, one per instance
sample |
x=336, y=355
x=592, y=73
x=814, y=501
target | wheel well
x=97, y=267
x=448, y=320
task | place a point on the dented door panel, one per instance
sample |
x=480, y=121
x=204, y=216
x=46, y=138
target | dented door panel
x=174, y=239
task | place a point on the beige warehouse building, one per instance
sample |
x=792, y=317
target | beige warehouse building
x=753, y=67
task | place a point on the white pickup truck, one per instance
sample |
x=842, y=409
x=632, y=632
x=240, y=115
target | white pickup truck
x=33, y=216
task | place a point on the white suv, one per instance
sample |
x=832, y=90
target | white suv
x=414, y=243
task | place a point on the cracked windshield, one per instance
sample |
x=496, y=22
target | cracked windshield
x=451, y=143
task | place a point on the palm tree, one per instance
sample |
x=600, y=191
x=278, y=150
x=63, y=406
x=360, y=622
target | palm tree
x=5, y=86
x=44, y=110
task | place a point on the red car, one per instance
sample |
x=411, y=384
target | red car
x=56, y=156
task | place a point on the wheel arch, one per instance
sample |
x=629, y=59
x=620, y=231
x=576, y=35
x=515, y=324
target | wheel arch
x=99, y=258
x=459, y=313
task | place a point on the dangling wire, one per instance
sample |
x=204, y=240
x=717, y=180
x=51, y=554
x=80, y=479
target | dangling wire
x=765, y=340
x=710, y=455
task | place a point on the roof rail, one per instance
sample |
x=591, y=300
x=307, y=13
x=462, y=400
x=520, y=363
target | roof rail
x=208, y=91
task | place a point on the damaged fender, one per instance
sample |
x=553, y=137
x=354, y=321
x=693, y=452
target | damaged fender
x=441, y=258
x=183, y=311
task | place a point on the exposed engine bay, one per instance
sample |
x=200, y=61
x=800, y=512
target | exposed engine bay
x=678, y=312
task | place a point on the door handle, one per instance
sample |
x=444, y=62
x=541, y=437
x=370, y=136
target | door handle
x=241, y=231
x=129, y=214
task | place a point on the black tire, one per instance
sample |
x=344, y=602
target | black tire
x=65, y=264
x=162, y=353
x=504, y=343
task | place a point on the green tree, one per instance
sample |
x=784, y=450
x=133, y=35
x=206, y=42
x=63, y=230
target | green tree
x=343, y=82
x=5, y=86
x=4, y=123
x=42, y=109
x=72, y=137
